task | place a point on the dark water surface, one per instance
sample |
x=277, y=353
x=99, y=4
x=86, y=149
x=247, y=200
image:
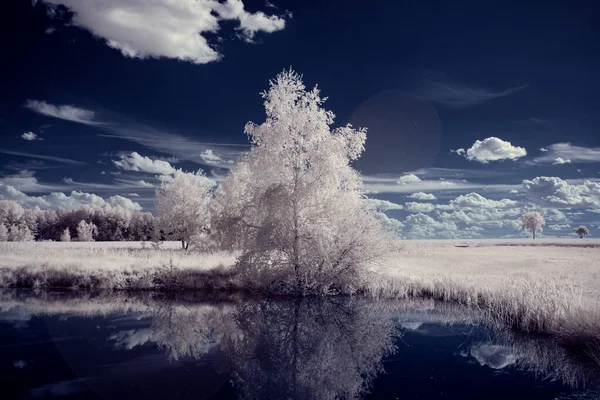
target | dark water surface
x=150, y=347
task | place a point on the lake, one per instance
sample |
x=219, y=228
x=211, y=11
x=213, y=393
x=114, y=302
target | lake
x=153, y=346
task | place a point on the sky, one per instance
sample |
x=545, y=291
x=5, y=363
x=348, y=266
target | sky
x=476, y=110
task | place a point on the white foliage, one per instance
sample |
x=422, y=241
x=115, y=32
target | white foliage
x=293, y=203
x=86, y=231
x=183, y=206
x=532, y=222
x=3, y=233
x=65, y=236
x=19, y=233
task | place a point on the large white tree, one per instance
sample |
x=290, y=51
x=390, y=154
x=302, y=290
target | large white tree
x=183, y=206
x=532, y=222
x=294, y=204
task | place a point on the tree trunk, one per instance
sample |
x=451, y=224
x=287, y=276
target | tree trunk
x=534, y=234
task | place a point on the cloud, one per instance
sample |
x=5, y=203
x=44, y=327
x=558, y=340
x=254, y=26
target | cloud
x=456, y=95
x=423, y=226
x=422, y=196
x=408, y=178
x=492, y=149
x=419, y=207
x=25, y=180
x=136, y=162
x=555, y=192
x=66, y=112
x=58, y=200
x=569, y=154
x=42, y=157
x=559, y=161
x=166, y=28
x=391, y=224
x=30, y=136
x=383, y=205
x=210, y=157
x=494, y=356
x=475, y=200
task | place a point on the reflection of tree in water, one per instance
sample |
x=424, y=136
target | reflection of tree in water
x=313, y=349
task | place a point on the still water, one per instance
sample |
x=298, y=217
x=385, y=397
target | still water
x=189, y=347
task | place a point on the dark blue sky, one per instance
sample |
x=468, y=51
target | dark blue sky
x=425, y=77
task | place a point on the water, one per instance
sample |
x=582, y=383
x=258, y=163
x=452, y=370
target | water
x=150, y=347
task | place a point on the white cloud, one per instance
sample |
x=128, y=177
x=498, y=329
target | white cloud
x=572, y=153
x=166, y=28
x=475, y=200
x=391, y=224
x=383, y=205
x=408, y=178
x=559, y=161
x=555, y=192
x=559, y=227
x=66, y=112
x=419, y=207
x=136, y=162
x=58, y=200
x=210, y=157
x=25, y=180
x=423, y=226
x=456, y=95
x=41, y=157
x=492, y=149
x=30, y=136
x=422, y=196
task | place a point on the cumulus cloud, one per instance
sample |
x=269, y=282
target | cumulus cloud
x=559, y=161
x=456, y=95
x=494, y=356
x=555, y=192
x=30, y=136
x=423, y=226
x=166, y=28
x=66, y=112
x=136, y=162
x=408, y=178
x=383, y=205
x=422, y=196
x=569, y=153
x=492, y=149
x=419, y=207
x=25, y=180
x=209, y=157
x=475, y=200
x=58, y=200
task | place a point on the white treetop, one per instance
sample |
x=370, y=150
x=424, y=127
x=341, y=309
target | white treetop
x=86, y=231
x=581, y=231
x=294, y=200
x=65, y=236
x=183, y=206
x=532, y=222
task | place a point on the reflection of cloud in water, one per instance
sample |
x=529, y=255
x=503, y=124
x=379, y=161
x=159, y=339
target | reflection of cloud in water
x=132, y=338
x=57, y=389
x=411, y=326
x=493, y=355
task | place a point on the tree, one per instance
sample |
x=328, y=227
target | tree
x=3, y=233
x=293, y=204
x=86, y=231
x=19, y=233
x=581, y=231
x=65, y=236
x=183, y=206
x=532, y=222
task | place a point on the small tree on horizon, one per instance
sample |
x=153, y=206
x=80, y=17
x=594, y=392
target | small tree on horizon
x=581, y=231
x=65, y=236
x=532, y=222
x=86, y=231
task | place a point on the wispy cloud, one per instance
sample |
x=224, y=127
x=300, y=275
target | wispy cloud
x=66, y=112
x=457, y=95
x=567, y=151
x=395, y=184
x=42, y=157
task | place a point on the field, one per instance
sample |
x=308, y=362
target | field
x=542, y=285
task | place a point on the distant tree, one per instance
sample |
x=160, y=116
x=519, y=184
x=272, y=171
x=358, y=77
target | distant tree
x=20, y=233
x=183, y=206
x=581, y=231
x=3, y=233
x=86, y=231
x=532, y=222
x=294, y=204
x=65, y=236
